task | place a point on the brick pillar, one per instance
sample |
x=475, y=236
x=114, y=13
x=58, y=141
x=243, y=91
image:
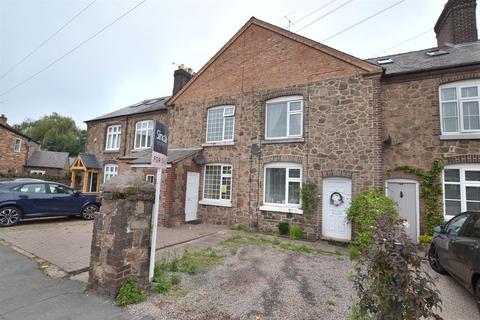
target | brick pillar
x=121, y=234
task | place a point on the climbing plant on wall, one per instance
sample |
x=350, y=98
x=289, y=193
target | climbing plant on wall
x=430, y=192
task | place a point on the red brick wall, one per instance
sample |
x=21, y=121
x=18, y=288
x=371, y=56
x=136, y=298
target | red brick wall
x=9, y=159
x=457, y=23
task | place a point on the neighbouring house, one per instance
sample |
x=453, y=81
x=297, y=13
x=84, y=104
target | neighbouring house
x=86, y=173
x=273, y=110
x=51, y=163
x=15, y=148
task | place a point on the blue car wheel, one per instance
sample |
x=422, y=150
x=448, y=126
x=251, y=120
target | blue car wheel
x=9, y=216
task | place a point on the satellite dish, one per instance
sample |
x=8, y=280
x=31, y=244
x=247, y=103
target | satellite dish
x=200, y=160
x=255, y=149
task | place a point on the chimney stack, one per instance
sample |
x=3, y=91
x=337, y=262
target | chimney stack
x=180, y=77
x=457, y=23
x=3, y=120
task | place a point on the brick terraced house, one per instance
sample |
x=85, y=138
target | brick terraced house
x=273, y=110
x=15, y=148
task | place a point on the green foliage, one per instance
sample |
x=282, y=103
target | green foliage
x=296, y=233
x=130, y=292
x=390, y=282
x=239, y=227
x=59, y=179
x=425, y=239
x=356, y=313
x=364, y=212
x=308, y=193
x=430, y=192
x=55, y=133
x=283, y=228
x=192, y=261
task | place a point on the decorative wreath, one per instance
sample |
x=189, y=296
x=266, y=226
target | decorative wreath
x=336, y=199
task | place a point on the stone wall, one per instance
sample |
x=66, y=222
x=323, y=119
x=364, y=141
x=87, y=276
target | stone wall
x=9, y=159
x=121, y=234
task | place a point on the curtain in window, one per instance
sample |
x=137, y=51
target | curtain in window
x=275, y=185
x=277, y=120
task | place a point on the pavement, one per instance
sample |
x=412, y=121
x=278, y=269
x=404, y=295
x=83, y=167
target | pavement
x=26, y=293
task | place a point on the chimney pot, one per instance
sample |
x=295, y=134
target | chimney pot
x=457, y=23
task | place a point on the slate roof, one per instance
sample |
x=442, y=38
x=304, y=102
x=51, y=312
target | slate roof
x=6, y=126
x=145, y=106
x=48, y=159
x=416, y=61
x=174, y=155
x=90, y=161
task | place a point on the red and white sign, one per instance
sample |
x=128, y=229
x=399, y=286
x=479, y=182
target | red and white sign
x=159, y=160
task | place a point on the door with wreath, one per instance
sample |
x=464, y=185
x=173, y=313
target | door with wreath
x=337, y=196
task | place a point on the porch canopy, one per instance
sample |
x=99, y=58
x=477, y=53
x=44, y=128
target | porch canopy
x=85, y=173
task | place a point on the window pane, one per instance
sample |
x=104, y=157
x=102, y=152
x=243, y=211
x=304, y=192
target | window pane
x=473, y=206
x=228, y=135
x=449, y=109
x=229, y=111
x=295, y=106
x=472, y=175
x=449, y=94
x=227, y=170
x=452, y=207
x=452, y=175
x=469, y=92
x=226, y=188
x=212, y=181
x=450, y=125
x=149, y=138
x=294, y=192
x=277, y=120
x=143, y=141
x=275, y=185
x=215, y=125
x=473, y=193
x=295, y=125
x=452, y=191
x=471, y=120
x=294, y=173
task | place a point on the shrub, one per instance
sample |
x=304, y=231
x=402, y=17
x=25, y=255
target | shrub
x=239, y=227
x=364, y=212
x=425, y=239
x=390, y=281
x=308, y=192
x=296, y=233
x=283, y=228
x=130, y=292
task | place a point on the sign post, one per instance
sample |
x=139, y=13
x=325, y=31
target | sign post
x=159, y=161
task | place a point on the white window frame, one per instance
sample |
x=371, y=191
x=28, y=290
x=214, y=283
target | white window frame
x=284, y=207
x=38, y=172
x=218, y=202
x=289, y=100
x=150, y=176
x=109, y=171
x=223, y=129
x=463, y=185
x=458, y=86
x=142, y=130
x=19, y=141
x=113, y=130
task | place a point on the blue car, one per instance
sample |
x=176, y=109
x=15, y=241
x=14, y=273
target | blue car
x=23, y=199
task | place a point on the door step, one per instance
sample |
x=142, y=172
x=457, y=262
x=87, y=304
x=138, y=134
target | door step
x=194, y=221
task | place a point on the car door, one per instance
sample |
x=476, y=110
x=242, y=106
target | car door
x=63, y=199
x=449, y=234
x=466, y=250
x=34, y=197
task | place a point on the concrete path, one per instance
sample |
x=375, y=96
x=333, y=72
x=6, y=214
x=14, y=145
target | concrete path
x=26, y=293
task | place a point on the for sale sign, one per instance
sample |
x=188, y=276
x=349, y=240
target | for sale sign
x=160, y=146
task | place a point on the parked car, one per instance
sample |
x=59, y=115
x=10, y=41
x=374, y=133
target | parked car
x=23, y=199
x=455, y=250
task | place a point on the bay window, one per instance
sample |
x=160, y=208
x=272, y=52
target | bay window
x=217, y=184
x=282, y=183
x=113, y=137
x=461, y=188
x=220, y=124
x=143, y=134
x=460, y=107
x=284, y=118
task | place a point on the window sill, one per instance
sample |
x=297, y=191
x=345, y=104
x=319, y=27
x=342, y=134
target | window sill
x=141, y=149
x=112, y=150
x=288, y=140
x=217, y=203
x=218, y=144
x=284, y=209
x=460, y=136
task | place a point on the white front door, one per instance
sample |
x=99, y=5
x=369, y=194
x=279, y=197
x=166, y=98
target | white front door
x=337, y=195
x=191, y=197
x=405, y=194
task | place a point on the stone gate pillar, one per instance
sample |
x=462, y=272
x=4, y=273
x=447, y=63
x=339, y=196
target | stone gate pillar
x=121, y=234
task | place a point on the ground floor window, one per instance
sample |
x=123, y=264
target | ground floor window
x=282, y=184
x=110, y=171
x=38, y=172
x=461, y=188
x=217, y=183
x=149, y=178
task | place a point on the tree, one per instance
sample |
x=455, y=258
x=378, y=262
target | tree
x=55, y=132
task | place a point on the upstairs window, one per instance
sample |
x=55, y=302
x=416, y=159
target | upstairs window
x=113, y=137
x=220, y=124
x=18, y=145
x=143, y=134
x=460, y=107
x=284, y=118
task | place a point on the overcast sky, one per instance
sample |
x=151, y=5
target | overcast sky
x=132, y=60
